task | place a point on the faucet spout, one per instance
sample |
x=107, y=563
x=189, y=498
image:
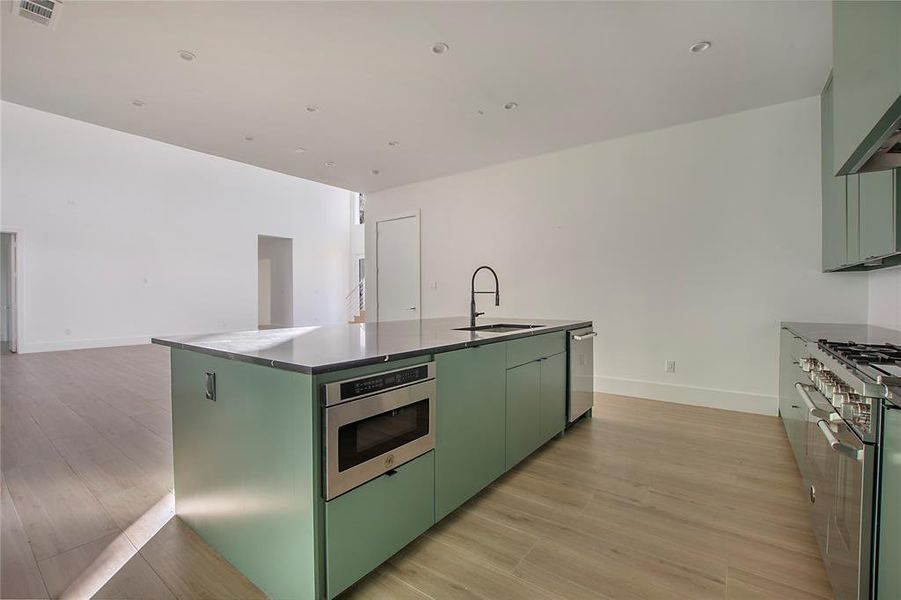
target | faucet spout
x=472, y=294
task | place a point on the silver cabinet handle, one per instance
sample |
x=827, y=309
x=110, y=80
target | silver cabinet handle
x=585, y=336
x=811, y=407
x=837, y=445
x=209, y=385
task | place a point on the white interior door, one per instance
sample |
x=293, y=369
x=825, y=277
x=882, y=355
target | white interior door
x=397, y=269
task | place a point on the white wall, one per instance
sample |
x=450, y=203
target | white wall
x=885, y=298
x=690, y=243
x=126, y=237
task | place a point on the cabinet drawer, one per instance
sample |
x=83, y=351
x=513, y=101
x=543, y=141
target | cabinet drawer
x=368, y=525
x=519, y=352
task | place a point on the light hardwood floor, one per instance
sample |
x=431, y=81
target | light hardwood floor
x=646, y=500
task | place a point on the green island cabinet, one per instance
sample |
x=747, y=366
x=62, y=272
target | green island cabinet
x=369, y=524
x=866, y=54
x=536, y=393
x=470, y=423
x=249, y=462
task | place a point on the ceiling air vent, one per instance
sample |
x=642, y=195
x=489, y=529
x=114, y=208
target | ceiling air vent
x=43, y=12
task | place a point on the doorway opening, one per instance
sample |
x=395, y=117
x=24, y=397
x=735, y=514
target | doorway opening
x=9, y=292
x=275, y=282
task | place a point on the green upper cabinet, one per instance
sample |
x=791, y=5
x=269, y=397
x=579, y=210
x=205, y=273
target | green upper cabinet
x=471, y=419
x=552, y=409
x=836, y=232
x=877, y=214
x=866, y=49
x=852, y=204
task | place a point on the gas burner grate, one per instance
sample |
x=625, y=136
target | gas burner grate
x=864, y=354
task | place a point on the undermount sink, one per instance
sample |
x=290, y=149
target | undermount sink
x=498, y=327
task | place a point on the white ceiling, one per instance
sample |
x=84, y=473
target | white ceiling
x=580, y=72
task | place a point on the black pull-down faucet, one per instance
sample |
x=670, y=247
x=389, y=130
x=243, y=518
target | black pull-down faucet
x=472, y=294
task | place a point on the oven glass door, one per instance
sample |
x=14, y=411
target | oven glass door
x=369, y=436
x=379, y=434
x=849, y=536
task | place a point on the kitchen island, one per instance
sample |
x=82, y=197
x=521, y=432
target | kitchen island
x=308, y=456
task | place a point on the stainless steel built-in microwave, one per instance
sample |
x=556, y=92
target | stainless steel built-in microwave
x=375, y=423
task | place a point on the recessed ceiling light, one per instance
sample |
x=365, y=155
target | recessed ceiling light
x=300, y=150
x=248, y=138
x=138, y=103
x=330, y=164
x=440, y=48
x=312, y=108
x=393, y=143
x=375, y=171
x=187, y=55
x=699, y=47
x=510, y=105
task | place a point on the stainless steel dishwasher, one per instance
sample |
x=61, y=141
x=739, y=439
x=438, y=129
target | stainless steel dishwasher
x=580, y=344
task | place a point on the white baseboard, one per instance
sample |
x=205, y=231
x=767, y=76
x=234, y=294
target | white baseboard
x=684, y=394
x=81, y=344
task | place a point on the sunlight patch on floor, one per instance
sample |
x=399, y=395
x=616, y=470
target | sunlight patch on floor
x=121, y=550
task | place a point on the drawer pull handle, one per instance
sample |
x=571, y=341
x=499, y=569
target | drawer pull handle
x=210, y=385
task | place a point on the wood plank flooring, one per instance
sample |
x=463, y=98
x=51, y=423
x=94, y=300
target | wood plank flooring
x=647, y=500
x=86, y=462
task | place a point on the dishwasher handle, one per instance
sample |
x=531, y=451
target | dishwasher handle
x=584, y=336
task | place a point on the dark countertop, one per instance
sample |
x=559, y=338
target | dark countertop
x=324, y=348
x=845, y=332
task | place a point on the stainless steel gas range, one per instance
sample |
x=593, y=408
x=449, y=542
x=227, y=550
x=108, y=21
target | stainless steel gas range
x=834, y=399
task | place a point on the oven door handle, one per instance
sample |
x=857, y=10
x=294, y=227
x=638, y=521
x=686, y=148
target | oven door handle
x=837, y=445
x=811, y=407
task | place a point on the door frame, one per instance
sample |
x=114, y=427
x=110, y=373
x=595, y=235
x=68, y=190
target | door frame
x=416, y=214
x=16, y=323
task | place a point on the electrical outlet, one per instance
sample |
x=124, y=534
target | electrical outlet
x=669, y=366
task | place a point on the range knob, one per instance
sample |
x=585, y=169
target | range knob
x=825, y=381
x=844, y=398
x=809, y=364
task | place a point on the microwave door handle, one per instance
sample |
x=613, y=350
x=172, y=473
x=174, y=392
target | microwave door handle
x=837, y=445
x=585, y=336
x=811, y=407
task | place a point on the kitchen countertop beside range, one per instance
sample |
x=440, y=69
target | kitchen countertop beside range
x=324, y=348
x=845, y=332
